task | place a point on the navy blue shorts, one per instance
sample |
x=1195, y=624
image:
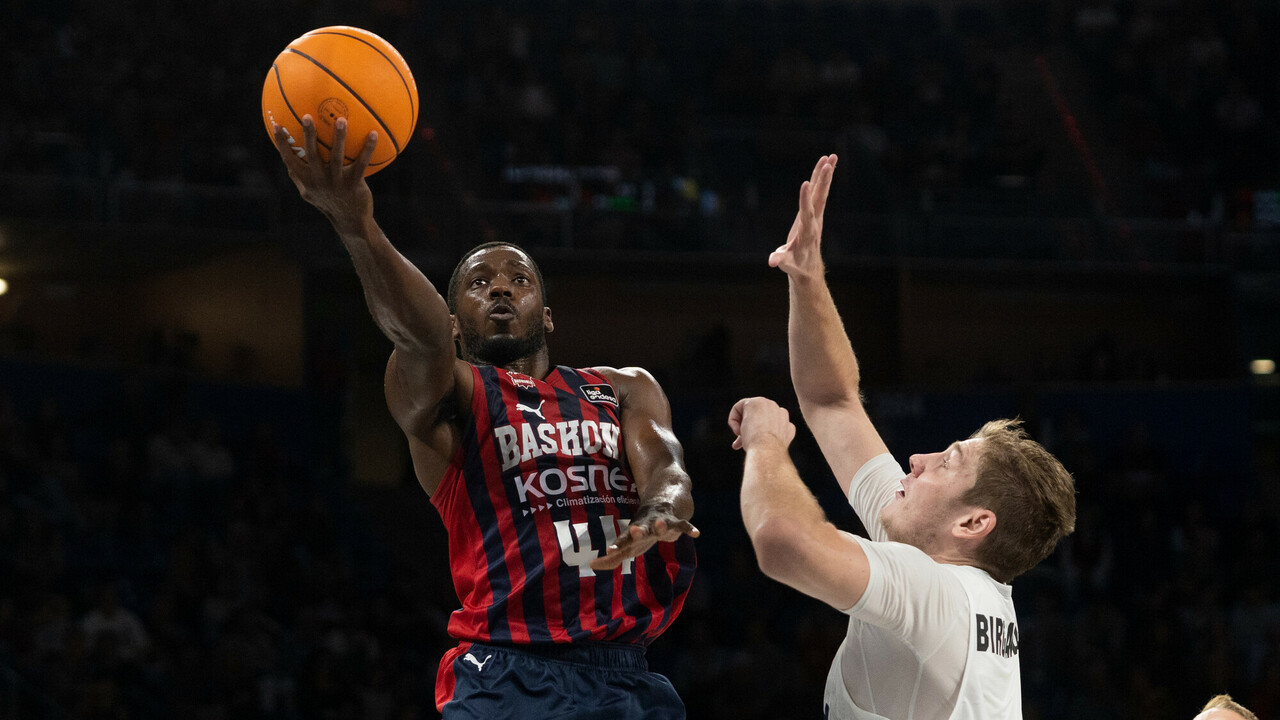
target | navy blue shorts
x=596, y=681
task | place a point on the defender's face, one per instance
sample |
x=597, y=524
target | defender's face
x=499, y=307
x=921, y=513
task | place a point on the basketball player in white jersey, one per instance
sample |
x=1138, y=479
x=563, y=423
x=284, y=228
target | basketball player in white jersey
x=932, y=629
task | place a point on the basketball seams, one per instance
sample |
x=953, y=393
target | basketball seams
x=413, y=104
x=373, y=113
x=359, y=69
x=285, y=96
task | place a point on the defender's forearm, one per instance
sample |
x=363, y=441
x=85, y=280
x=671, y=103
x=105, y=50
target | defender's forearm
x=824, y=369
x=773, y=495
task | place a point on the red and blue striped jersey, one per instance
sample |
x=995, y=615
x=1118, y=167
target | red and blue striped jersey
x=539, y=487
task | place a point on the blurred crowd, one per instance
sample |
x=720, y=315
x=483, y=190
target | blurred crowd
x=161, y=562
x=1145, y=108
x=155, y=569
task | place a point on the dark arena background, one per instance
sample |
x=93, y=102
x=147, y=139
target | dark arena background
x=1067, y=210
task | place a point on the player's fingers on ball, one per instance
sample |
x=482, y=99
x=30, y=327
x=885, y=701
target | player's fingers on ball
x=366, y=154
x=338, y=150
x=309, y=139
x=280, y=137
x=292, y=162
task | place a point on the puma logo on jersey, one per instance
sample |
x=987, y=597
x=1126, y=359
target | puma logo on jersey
x=478, y=663
x=536, y=411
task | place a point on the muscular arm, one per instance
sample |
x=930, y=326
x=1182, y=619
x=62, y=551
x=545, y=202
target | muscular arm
x=824, y=369
x=795, y=544
x=656, y=460
x=423, y=370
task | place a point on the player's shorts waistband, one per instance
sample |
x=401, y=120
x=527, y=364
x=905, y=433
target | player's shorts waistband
x=615, y=656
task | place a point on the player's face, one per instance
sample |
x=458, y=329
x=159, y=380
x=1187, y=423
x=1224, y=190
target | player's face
x=500, y=317
x=922, y=512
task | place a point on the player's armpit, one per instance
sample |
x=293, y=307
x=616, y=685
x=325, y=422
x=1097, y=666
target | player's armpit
x=428, y=407
x=416, y=387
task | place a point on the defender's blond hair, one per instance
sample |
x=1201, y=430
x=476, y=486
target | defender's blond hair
x=1224, y=702
x=1031, y=493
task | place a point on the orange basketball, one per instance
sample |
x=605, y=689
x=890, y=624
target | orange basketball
x=341, y=71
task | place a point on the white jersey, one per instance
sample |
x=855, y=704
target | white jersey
x=927, y=641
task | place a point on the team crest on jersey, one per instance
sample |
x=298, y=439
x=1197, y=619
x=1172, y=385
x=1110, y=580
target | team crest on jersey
x=521, y=381
x=599, y=394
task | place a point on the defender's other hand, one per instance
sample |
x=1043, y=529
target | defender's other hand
x=758, y=419
x=802, y=255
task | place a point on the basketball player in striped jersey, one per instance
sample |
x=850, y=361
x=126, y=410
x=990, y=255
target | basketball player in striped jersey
x=932, y=630
x=563, y=490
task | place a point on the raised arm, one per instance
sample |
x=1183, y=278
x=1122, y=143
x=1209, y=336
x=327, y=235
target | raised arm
x=824, y=369
x=795, y=544
x=657, y=466
x=423, y=370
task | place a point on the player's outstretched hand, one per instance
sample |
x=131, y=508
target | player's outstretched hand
x=653, y=522
x=337, y=191
x=802, y=254
x=759, y=419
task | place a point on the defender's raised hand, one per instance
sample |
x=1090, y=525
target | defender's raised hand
x=801, y=255
x=755, y=419
x=339, y=192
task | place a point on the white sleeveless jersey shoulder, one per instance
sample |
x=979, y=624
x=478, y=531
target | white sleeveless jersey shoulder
x=926, y=641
